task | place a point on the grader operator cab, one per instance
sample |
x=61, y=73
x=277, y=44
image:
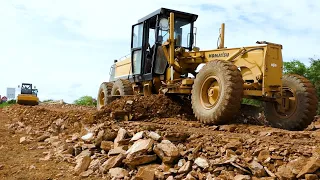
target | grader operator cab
x=164, y=55
x=28, y=95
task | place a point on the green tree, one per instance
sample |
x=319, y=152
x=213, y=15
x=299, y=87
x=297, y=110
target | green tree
x=85, y=101
x=313, y=74
x=295, y=67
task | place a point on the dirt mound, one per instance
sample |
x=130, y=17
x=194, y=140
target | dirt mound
x=163, y=106
x=154, y=106
x=58, y=118
x=52, y=118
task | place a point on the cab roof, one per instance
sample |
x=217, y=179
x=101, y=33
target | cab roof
x=166, y=12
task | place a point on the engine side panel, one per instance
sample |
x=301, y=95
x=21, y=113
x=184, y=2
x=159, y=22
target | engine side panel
x=121, y=70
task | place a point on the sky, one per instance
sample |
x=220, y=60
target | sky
x=66, y=48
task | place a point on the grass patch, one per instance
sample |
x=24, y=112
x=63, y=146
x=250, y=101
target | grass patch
x=8, y=103
x=252, y=102
x=5, y=104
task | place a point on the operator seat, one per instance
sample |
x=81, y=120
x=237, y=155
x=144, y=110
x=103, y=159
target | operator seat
x=148, y=63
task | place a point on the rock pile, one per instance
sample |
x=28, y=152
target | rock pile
x=63, y=106
x=148, y=155
x=53, y=102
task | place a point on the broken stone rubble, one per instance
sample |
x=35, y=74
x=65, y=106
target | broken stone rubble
x=167, y=151
x=143, y=150
x=82, y=164
x=266, y=163
x=118, y=173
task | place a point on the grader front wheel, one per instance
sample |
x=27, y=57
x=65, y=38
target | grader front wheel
x=104, y=91
x=302, y=104
x=217, y=92
x=122, y=87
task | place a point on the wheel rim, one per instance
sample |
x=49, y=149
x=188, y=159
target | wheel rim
x=290, y=93
x=210, y=92
x=101, y=98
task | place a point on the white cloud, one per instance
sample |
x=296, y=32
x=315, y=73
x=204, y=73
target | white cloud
x=57, y=44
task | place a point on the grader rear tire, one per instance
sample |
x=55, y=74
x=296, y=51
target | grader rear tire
x=217, y=92
x=302, y=105
x=104, y=91
x=122, y=87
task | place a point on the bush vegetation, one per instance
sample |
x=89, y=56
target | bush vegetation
x=86, y=101
x=47, y=100
x=8, y=103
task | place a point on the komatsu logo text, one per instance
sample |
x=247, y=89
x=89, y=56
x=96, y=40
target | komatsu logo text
x=219, y=55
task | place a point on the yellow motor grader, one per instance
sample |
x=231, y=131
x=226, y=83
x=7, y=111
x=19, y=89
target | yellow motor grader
x=164, y=59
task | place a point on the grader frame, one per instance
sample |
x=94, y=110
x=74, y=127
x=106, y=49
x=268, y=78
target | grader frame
x=260, y=66
x=228, y=75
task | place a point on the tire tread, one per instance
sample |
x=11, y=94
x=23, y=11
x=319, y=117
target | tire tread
x=231, y=102
x=306, y=112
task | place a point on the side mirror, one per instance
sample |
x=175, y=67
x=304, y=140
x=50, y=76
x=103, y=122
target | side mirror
x=164, y=24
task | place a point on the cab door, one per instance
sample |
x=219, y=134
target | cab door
x=137, y=48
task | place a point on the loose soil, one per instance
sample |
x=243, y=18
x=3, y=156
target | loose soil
x=246, y=135
x=18, y=161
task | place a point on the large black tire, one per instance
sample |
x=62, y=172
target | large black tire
x=304, y=109
x=228, y=100
x=104, y=91
x=122, y=87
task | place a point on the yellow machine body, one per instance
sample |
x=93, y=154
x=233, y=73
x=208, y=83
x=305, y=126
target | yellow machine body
x=260, y=65
x=27, y=99
x=123, y=68
x=228, y=75
x=28, y=95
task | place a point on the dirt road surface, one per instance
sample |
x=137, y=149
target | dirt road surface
x=22, y=161
x=152, y=138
